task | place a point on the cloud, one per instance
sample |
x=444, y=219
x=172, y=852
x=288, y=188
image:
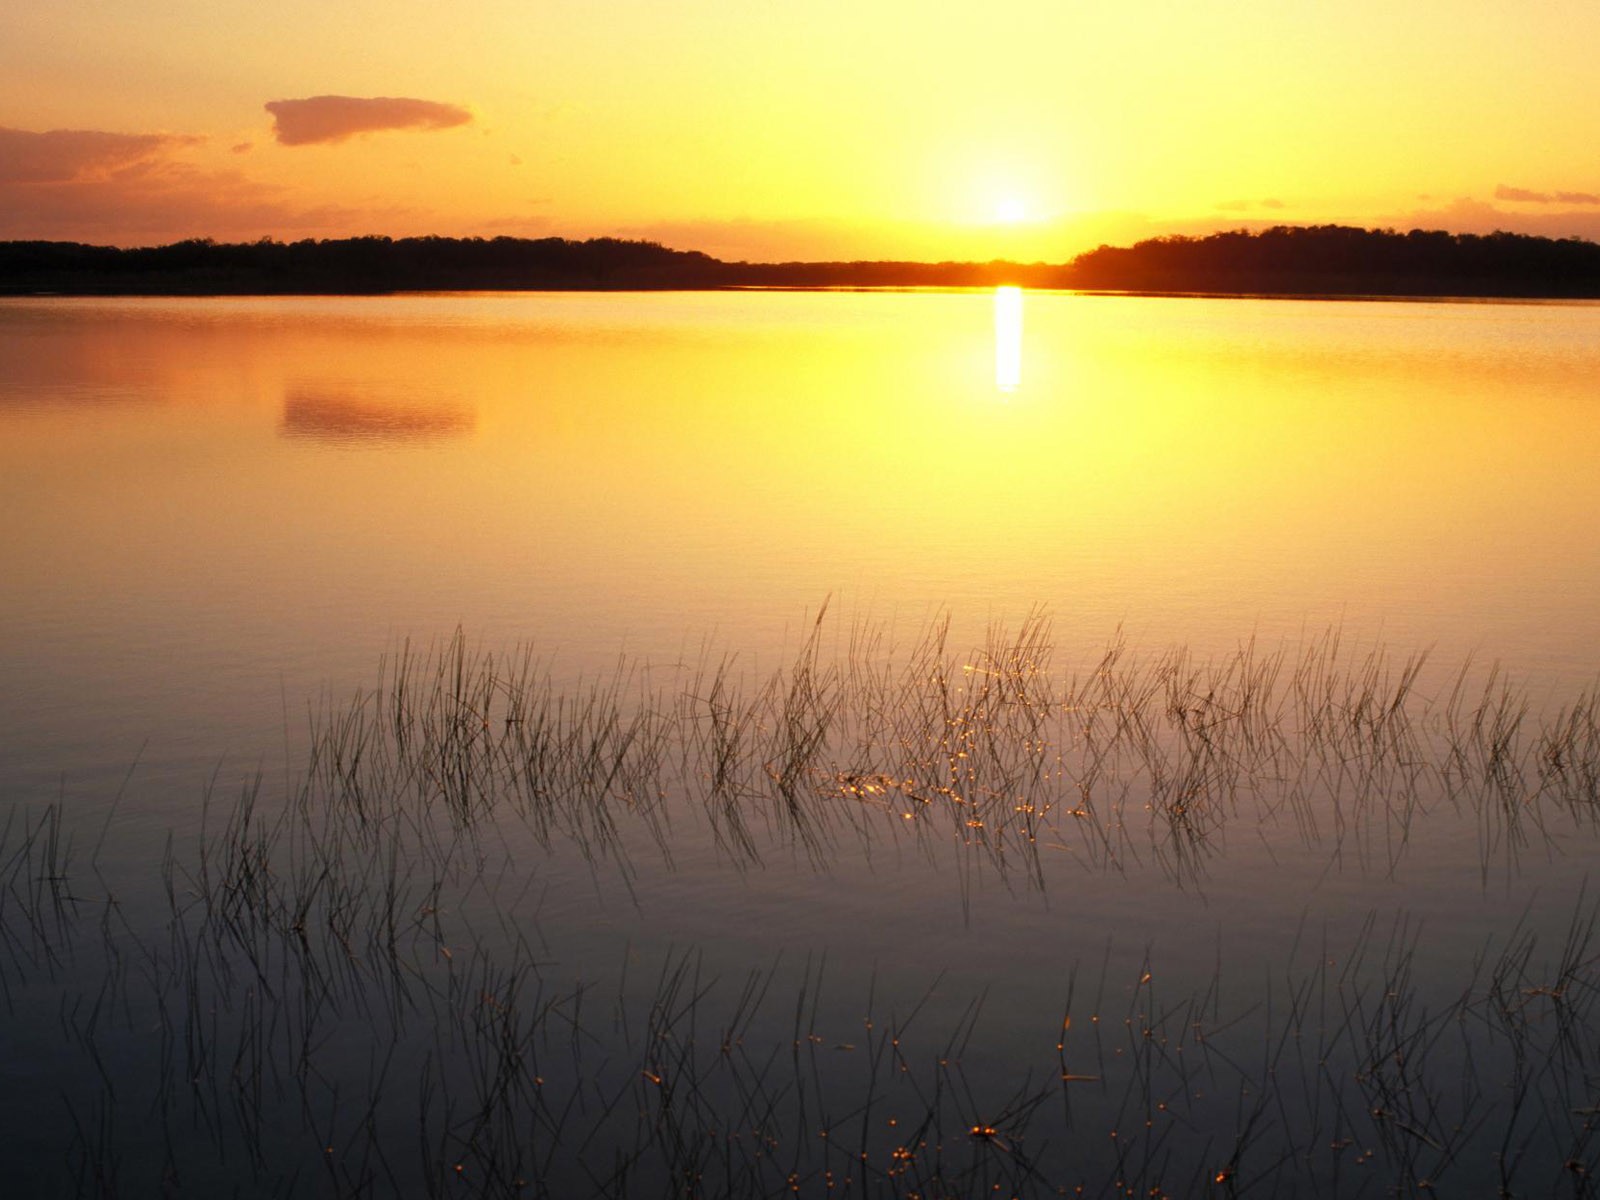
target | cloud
x=139, y=188
x=1525, y=196
x=1504, y=192
x=66, y=155
x=320, y=119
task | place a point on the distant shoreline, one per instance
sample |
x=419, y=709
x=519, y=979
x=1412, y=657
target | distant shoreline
x=1322, y=262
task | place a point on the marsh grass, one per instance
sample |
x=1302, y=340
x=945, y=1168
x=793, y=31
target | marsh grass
x=1130, y=761
x=344, y=990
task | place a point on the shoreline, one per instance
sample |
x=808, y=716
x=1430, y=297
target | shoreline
x=1412, y=297
x=1322, y=262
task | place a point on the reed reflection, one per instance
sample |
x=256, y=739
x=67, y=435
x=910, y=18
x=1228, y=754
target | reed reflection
x=1007, y=338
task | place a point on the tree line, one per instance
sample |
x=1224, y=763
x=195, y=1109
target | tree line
x=1340, y=260
x=1312, y=260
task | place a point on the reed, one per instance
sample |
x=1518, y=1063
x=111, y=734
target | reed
x=345, y=990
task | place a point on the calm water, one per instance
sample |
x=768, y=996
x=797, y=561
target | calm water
x=220, y=515
x=206, y=498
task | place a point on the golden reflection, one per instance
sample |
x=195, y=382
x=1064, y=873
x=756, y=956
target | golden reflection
x=1323, y=461
x=1007, y=338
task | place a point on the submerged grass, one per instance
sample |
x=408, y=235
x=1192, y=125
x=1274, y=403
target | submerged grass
x=1131, y=760
x=344, y=991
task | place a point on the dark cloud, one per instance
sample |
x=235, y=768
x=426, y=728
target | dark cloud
x=1273, y=203
x=1526, y=196
x=335, y=118
x=66, y=155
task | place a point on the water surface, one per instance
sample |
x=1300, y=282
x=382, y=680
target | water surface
x=221, y=514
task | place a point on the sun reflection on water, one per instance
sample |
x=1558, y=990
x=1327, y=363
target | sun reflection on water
x=1007, y=338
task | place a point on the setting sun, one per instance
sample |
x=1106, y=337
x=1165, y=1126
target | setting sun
x=531, y=529
x=1010, y=211
x=781, y=134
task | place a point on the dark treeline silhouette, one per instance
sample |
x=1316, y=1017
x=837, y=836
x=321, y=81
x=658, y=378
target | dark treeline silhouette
x=380, y=264
x=1318, y=260
x=1339, y=260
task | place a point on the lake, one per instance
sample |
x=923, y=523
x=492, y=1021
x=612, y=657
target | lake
x=929, y=743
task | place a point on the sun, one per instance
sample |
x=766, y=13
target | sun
x=1010, y=211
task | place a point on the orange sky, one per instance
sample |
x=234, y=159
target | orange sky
x=1030, y=130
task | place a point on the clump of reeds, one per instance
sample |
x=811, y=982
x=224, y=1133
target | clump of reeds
x=989, y=750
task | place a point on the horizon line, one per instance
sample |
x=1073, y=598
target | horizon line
x=1245, y=231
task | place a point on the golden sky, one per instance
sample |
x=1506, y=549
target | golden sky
x=828, y=129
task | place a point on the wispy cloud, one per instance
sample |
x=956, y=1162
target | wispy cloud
x=126, y=188
x=1526, y=196
x=320, y=119
x=68, y=155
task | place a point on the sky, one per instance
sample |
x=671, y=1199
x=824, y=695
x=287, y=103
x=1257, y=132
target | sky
x=832, y=129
